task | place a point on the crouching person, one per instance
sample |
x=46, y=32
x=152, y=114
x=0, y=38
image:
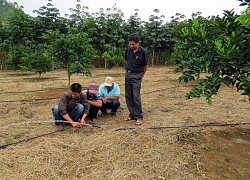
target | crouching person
x=73, y=107
x=95, y=101
x=110, y=94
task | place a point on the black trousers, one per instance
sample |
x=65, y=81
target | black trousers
x=114, y=105
x=133, y=94
x=93, y=112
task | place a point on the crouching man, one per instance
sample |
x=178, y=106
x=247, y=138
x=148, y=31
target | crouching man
x=95, y=101
x=110, y=94
x=73, y=106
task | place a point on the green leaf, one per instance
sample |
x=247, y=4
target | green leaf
x=209, y=101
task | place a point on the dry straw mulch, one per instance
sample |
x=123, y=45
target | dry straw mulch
x=107, y=153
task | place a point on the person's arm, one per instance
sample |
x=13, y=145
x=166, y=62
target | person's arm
x=144, y=70
x=86, y=107
x=104, y=100
x=145, y=62
x=83, y=118
x=112, y=97
x=97, y=103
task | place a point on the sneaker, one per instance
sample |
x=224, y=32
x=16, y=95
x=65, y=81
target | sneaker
x=114, y=114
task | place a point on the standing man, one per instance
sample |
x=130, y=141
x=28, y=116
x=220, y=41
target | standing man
x=136, y=67
x=73, y=106
x=110, y=94
x=94, y=100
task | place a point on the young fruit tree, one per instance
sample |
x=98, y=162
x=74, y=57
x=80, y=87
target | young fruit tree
x=73, y=51
x=218, y=47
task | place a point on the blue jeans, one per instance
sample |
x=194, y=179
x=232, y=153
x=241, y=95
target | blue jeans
x=75, y=114
x=114, y=105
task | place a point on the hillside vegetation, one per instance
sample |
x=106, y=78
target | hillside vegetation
x=6, y=8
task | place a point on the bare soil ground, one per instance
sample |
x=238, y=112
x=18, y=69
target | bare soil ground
x=174, y=141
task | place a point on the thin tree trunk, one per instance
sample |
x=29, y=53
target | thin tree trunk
x=2, y=59
x=68, y=76
x=153, y=56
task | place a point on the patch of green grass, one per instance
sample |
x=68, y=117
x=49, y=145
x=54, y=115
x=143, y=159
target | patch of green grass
x=171, y=149
x=14, y=136
x=30, y=160
x=223, y=148
x=4, y=172
x=204, y=146
x=193, y=139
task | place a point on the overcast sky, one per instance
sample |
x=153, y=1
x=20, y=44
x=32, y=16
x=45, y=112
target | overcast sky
x=167, y=8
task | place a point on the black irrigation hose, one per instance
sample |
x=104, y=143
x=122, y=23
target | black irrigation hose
x=41, y=90
x=156, y=127
x=31, y=138
x=195, y=125
x=92, y=125
x=41, y=135
x=164, y=89
x=67, y=122
x=19, y=92
x=30, y=100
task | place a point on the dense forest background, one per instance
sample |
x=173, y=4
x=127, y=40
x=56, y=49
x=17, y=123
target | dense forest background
x=82, y=40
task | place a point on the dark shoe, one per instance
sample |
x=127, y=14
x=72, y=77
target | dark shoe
x=114, y=114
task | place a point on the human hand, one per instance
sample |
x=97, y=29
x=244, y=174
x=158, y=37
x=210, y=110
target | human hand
x=82, y=122
x=76, y=124
x=104, y=100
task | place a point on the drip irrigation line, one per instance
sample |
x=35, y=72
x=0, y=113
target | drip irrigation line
x=126, y=128
x=29, y=100
x=93, y=125
x=47, y=121
x=190, y=126
x=41, y=135
x=32, y=100
x=202, y=125
x=41, y=90
x=161, y=90
x=31, y=138
x=19, y=92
